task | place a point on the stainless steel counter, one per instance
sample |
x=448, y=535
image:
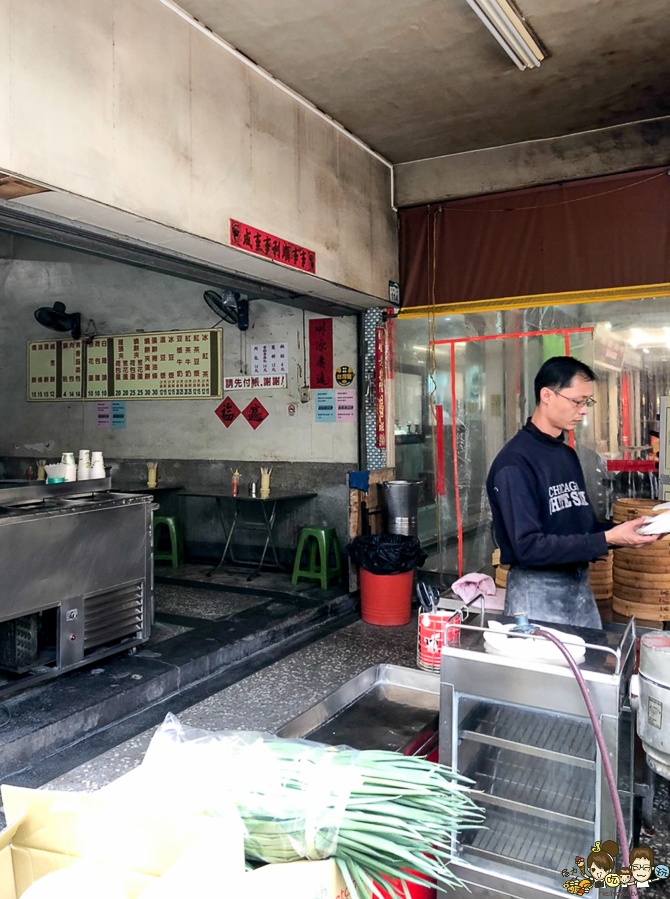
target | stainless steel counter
x=77, y=574
x=519, y=729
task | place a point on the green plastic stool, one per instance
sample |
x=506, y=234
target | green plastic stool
x=321, y=541
x=176, y=553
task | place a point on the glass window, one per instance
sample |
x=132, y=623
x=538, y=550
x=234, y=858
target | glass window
x=481, y=374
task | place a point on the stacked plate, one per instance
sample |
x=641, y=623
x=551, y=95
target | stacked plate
x=641, y=577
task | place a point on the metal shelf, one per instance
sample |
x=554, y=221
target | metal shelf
x=534, y=786
x=524, y=841
x=531, y=734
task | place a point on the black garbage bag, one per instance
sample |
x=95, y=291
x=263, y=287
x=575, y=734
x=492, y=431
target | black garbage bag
x=386, y=553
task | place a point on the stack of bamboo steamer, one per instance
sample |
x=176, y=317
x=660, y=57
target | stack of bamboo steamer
x=601, y=577
x=500, y=570
x=641, y=576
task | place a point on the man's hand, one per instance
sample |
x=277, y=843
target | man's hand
x=626, y=534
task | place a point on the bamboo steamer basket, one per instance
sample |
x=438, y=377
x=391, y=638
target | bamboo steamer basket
x=604, y=563
x=641, y=577
x=628, y=509
x=642, y=622
x=647, y=596
x=640, y=610
x=600, y=578
x=501, y=576
x=642, y=580
x=639, y=561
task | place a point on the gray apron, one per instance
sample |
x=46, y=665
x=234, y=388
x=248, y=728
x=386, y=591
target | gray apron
x=559, y=597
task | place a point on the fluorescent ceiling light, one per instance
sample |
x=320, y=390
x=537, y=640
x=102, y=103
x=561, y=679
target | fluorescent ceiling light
x=509, y=28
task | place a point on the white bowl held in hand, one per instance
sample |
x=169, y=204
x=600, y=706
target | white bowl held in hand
x=656, y=524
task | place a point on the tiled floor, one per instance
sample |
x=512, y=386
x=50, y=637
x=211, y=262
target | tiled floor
x=274, y=695
x=267, y=700
x=194, y=602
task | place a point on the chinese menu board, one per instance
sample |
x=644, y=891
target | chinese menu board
x=162, y=365
x=55, y=369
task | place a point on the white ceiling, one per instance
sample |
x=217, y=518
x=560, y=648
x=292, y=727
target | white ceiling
x=423, y=78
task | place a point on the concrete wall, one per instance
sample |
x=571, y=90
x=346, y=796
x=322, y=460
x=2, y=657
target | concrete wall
x=192, y=446
x=603, y=152
x=127, y=104
x=122, y=299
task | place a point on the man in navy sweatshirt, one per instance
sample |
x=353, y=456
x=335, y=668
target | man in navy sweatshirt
x=545, y=525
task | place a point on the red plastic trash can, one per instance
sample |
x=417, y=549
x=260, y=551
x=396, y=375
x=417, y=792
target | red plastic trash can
x=386, y=599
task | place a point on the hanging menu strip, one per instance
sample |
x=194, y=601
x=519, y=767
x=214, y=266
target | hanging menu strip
x=159, y=365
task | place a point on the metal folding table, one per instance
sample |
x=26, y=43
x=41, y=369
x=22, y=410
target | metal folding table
x=268, y=508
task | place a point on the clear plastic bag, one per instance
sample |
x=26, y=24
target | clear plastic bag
x=291, y=794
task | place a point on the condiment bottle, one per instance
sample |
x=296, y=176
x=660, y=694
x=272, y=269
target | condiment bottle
x=235, y=483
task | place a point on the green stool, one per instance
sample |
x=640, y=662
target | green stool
x=176, y=553
x=321, y=540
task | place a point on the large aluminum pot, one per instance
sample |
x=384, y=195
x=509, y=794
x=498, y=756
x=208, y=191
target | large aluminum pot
x=402, y=503
x=650, y=697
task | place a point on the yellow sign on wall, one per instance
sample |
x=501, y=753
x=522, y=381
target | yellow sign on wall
x=159, y=365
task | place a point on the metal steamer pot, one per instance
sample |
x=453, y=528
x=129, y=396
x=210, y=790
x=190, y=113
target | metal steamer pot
x=650, y=698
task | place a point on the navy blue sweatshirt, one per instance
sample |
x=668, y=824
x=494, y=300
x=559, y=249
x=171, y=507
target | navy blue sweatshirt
x=541, y=513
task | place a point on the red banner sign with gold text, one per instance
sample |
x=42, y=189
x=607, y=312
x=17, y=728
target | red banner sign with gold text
x=380, y=387
x=253, y=240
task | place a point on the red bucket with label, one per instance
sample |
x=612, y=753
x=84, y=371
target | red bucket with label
x=432, y=627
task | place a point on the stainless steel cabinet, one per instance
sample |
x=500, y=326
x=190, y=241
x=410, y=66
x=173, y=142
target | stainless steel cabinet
x=521, y=732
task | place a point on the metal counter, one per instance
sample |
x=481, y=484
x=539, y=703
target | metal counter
x=385, y=707
x=77, y=574
x=519, y=729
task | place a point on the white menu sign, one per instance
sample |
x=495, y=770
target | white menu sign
x=269, y=359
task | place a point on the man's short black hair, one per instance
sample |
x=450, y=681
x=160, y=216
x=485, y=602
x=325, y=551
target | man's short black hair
x=559, y=371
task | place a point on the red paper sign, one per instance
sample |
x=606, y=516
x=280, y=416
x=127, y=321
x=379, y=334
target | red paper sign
x=380, y=385
x=227, y=412
x=255, y=413
x=321, y=353
x=253, y=240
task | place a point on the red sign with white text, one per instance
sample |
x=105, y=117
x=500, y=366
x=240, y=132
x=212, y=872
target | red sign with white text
x=253, y=240
x=321, y=353
x=380, y=385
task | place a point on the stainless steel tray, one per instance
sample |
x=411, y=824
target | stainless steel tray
x=385, y=707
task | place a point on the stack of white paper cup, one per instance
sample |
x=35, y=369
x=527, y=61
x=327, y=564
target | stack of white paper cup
x=84, y=466
x=97, y=465
x=70, y=468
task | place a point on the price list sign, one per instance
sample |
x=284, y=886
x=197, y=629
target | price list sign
x=166, y=365
x=161, y=365
x=72, y=364
x=42, y=370
x=54, y=370
x=98, y=356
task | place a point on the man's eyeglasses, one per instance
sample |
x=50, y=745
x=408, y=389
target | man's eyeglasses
x=640, y=868
x=588, y=402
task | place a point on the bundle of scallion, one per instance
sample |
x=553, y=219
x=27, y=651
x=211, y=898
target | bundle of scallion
x=381, y=815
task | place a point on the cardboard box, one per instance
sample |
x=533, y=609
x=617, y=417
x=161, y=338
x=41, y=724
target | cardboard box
x=138, y=847
x=298, y=880
x=151, y=851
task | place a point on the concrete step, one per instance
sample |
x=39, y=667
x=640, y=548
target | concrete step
x=74, y=706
